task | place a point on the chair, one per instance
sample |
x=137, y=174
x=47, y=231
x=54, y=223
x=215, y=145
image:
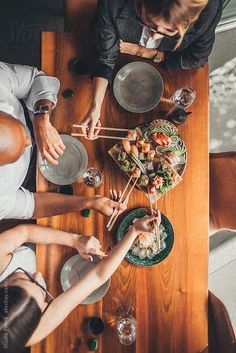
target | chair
x=222, y=191
x=221, y=336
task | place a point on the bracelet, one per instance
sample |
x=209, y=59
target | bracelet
x=157, y=58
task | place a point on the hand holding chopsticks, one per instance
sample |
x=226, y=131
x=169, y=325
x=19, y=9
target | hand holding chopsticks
x=156, y=226
x=122, y=199
x=99, y=136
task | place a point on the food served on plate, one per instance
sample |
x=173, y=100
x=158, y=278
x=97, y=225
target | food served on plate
x=139, y=156
x=146, y=245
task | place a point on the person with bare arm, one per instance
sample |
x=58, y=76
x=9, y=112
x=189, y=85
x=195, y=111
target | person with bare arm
x=27, y=91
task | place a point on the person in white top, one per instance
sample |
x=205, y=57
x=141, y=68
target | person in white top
x=26, y=316
x=39, y=93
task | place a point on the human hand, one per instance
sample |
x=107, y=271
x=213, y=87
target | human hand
x=129, y=48
x=47, y=139
x=106, y=206
x=90, y=122
x=88, y=246
x=146, y=224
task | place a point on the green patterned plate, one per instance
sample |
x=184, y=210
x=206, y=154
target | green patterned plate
x=123, y=228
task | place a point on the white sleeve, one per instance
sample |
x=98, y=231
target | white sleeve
x=28, y=83
x=18, y=206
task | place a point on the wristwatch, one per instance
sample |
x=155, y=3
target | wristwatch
x=42, y=109
x=158, y=57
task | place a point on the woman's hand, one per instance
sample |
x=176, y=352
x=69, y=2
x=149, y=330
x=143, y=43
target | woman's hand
x=88, y=246
x=90, y=122
x=146, y=224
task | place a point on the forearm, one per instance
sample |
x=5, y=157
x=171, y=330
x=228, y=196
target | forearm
x=99, y=90
x=42, y=235
x=100, y=273
x=51, y=204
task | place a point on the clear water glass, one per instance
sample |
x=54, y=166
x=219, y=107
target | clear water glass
x=126, y=325
x=183, y=97
x=92, y=177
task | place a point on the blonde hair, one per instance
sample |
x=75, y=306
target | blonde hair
x=179, y=13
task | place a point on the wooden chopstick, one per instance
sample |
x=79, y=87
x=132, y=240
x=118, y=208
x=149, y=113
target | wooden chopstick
x=100, y=136
x=120, y=200
x=102, y=128
x=126, y=200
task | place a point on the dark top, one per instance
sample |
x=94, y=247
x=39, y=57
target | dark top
x=116, y=19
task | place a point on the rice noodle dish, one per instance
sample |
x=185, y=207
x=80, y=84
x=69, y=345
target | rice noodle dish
x=146, y=244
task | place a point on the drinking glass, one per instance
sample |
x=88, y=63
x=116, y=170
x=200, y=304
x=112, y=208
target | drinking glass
x=92, y=177
x=183, y=97
x=126, y=325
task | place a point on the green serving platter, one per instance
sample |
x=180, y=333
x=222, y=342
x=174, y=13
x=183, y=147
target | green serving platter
x=123, y=228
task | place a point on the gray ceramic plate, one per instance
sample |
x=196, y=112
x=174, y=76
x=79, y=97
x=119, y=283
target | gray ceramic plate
x=72, y=163
x=74, y=269
x=138, y=87
x=123, y=228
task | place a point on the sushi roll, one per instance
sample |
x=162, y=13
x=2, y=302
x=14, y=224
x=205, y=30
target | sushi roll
x=140, y=142
x=134, y=150
x=136, y=173
x=132, y=135
x=131, y=167
x=146, y=147
x=126, y=146
x=143, y=181
x=122, y=156
x=151, y=155
x=125, y=166
x=142, y=156
x=157, y=181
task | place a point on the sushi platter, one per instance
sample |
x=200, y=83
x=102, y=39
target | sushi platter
x=155, y=154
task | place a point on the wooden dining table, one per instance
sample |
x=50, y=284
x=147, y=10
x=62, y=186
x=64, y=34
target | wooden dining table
x=169, y=299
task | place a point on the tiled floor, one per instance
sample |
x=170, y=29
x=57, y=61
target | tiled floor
x=222, y=259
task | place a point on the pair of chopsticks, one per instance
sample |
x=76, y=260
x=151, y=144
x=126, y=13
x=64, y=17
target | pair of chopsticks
x=117, y=212
x=156, y=226
x=101, y=128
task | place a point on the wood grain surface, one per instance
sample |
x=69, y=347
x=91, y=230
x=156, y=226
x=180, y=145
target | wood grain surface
x=170, y=299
